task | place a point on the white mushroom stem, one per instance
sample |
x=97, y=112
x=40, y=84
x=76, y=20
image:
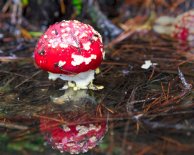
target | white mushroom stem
x=82, y=80
x=163, y=25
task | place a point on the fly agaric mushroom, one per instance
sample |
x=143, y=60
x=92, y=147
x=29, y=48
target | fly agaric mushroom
x=71, y=51
x=75, y=138
x=180, y=28
x=183, y=27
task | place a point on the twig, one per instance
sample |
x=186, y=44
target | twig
x=13, y=126
x=28, y=79
x=13, y=59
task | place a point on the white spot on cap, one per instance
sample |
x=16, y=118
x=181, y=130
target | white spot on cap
x=54, y=42
x=95, y=38
x=63, y=30
x=81, y=130
x=63, y=45
x=64, y=35
x=73, y=151
x=70, y=144
x=83, y=35
x=45, y=36
x=89, y=59
x=75, y=21
x=59, y=145
x=93, y=139
x=93, y=127
x=76, y=26
x=63, y=24
x=68, y=29
x=66, y=128
x=75, y=44
x=79, y=59
x=76, y=33
x=86, y=46
x=61, y=63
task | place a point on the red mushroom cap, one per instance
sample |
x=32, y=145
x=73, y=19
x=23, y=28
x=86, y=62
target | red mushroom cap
x=69, y=47
x=183, y=27
x=73, y=138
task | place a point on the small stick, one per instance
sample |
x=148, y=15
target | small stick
x=13, y=126
x=28, y=79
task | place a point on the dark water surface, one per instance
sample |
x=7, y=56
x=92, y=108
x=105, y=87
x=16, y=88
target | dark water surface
x=139, y=111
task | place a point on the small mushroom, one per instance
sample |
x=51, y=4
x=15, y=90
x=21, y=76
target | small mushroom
x=74, y=138
x=71, y=51
x=183, y=27
x=180, y=28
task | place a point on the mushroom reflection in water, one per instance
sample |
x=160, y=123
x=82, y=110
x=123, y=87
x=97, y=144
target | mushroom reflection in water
x=70, y=95
x=73, y=138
